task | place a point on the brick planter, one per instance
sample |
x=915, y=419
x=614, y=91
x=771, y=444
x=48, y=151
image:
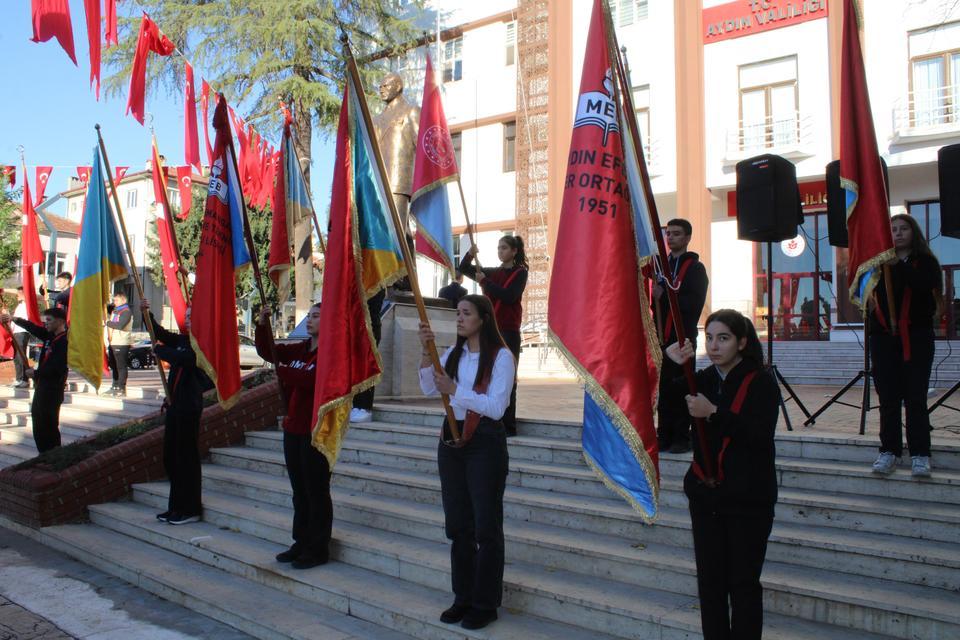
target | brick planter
x=37, y=497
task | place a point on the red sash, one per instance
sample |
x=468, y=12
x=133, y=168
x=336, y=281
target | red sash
x=497, y=303
x=677, y=281
x=735, y=407
x=473, y=418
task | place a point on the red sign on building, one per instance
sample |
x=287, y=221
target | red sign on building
x=747, y=17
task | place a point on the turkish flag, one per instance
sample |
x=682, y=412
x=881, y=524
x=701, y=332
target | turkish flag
x=84, y=174
x=191, y=146
x=150, y=39
x=6, y=343
x=10, y=174
x=120, y=172
x=204, y=111
x=43, y=177
x=110, y=17
x=51, y=19
x=185, y=184
x=31, y=253
x=92, y=10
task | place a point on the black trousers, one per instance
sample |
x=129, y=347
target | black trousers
x=117, y=360
x=22, y=339
x=45, y=415
x=512, y=338
x=673, y=419
x=730, y=550
x=903, y=385
x=309, y=474
x=364, y=400
x=472, y=481
x=181, y=460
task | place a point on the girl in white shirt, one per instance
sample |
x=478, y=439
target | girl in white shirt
x=478, y=376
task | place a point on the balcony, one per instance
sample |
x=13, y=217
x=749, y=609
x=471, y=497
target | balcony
x=790, y=136
x=927, y=115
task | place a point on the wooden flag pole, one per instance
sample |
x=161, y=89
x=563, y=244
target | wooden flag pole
x=630, y=114
x=133, y=263
x=401, y=236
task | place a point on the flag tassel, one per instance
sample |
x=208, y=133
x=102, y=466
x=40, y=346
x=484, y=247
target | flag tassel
x=133, y=267
x=401, y=235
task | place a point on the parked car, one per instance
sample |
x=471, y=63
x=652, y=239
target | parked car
x=248, y=354
x=141, y=355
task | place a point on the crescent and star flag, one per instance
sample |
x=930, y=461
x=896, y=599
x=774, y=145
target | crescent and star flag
x=281, y=258
x=222, y=254
x=120, y=171
x=51, y=19
x=84, y=174
x=191, y=144
x=185, y=186
x=861, y=174
x=359, y=220
x=434, y=171
x=100, y=262
x=43, y=177
x=92, y=10
x=149, y=39
x=597, y=314
x=30, y=251
x=10, y=174
x=168, y=252
x=111, y=35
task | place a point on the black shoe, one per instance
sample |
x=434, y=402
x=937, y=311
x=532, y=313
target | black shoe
x=478, y=618
x=289, y=555
x=165, y=516
x=308, y=561
x=680, y=446
x=182, y=518
x=454, y=614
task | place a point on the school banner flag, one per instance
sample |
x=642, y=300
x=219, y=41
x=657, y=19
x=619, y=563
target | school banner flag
x=861, y=174
x=435, y=175
x=222, y=254
x=100, y=262
x=597, y=314
x=359, y=220
x=31, y=252
x=168, y=252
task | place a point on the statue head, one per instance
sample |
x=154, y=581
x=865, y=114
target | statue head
x=390, y=87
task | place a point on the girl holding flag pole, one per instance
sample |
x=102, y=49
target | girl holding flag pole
x=732, y=515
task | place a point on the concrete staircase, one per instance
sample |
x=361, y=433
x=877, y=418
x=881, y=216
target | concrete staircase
x=83, y=413
x=851, y=556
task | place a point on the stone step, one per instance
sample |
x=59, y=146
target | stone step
x=84, y=401
x=68, y=433
x=872, y=555
x=384, y=597
x=19, y=415
x=76, y=385
x=596, y=602
x=252, y=607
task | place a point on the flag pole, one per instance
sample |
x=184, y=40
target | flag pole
x=401, y=236
x=133, y=264
x=173, y=232
x=630, y=115
x=313, y=212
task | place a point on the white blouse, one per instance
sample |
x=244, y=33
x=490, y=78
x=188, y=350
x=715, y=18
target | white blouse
x=494, y=402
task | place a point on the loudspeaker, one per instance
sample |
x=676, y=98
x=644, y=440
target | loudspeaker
x=768, y=199
x=948, y=169
x=837, y=203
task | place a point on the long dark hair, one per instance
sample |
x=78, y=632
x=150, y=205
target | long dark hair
x=490, y=340
x=741, y=327
x=918, y=243
x=516, y=242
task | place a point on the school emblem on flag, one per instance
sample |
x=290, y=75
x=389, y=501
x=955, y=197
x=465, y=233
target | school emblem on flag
x=597, y=108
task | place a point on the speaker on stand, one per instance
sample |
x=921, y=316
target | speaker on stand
x=769, y=210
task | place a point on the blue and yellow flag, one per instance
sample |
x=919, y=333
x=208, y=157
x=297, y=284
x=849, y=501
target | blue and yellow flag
x=100, y=261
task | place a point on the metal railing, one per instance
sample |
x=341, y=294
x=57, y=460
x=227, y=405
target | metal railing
x=781, y=132
x=937, y=108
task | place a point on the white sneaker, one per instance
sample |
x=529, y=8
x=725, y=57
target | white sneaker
x=886, y=463
x=921, y=466
x=360, y=415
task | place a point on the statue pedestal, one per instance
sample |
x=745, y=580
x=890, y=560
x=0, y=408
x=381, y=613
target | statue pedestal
x=400, y=345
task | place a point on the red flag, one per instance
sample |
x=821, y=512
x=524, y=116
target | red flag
x=191, y=146
x=51, y=19
x=185, y=184
x=92, y=10
x=150, y=39
x=110, y=17
x=165, y=229
x=280, y=258
x=6, y=343
x=204, y=111
x=30, y=251
x=43, y=177
x=120, y=172
x=222, y=255
x=84, y=174
x=10, y=174
x=861, y=175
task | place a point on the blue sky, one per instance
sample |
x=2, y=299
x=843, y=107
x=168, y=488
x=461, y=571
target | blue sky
x=51, y=110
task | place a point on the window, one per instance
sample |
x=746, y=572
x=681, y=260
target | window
x=509, y=146
x=768, y=104
x=627, y=12
x=453, y=60
x=457, y=140
x=55, y=266
x=511, y=43
x=641, y=102
x=131, y=198
x=934, y=75
x=74, y=206
x=173, y=197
